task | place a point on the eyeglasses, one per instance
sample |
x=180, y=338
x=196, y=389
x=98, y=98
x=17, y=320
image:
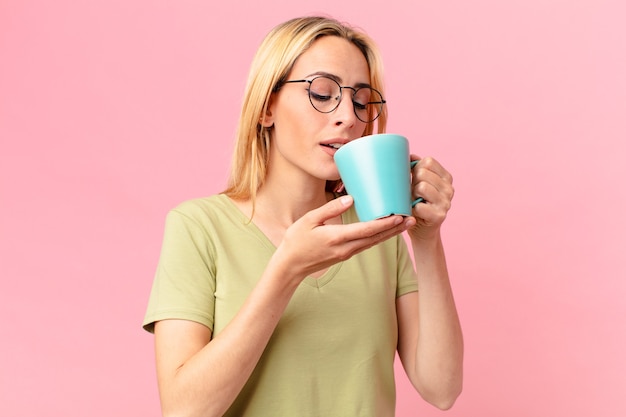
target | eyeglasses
x=325, y=94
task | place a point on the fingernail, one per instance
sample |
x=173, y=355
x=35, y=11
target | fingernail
x=345, y=200
x=398, y=220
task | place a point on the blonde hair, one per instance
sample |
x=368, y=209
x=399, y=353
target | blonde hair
x=271, y=65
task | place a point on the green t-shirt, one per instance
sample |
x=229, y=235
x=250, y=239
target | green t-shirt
x=333, y=350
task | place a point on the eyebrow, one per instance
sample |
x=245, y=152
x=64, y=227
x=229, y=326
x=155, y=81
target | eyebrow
x=336, y=78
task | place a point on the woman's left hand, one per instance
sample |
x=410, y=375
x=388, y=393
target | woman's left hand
x=432, y=182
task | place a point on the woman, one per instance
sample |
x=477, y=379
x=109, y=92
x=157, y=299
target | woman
x=271, y=298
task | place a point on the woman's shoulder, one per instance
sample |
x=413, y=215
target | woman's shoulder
x=206, y=208
x=200, y=203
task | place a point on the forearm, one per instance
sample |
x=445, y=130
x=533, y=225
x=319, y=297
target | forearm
x=439, y=346
x=209, y=381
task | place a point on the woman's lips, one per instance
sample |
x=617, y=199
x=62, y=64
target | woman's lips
x=333, y=145
x=329, y=149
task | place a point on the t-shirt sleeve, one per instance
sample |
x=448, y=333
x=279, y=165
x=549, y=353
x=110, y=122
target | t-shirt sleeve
x=184, y=283
x=407, y=278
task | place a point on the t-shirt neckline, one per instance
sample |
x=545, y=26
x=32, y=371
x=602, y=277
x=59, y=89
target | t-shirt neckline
x=308, y=280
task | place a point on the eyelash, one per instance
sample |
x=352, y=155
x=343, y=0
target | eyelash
x=319, y=97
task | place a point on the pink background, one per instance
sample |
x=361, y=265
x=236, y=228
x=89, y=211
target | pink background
x=112, y=112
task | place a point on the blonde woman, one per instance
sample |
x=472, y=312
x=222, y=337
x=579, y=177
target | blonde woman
x=271, y=299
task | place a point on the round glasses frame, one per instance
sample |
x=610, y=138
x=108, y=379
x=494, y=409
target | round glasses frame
x=376, y=105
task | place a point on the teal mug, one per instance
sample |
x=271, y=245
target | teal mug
x=376, y=172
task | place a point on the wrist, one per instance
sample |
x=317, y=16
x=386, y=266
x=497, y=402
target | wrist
x=281, y=269
x=425, y=238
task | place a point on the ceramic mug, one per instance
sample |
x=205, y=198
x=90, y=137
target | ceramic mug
x=376, y=172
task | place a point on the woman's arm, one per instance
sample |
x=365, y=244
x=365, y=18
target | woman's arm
x=200, y=376
x=430, y=341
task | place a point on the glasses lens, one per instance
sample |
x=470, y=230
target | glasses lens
x=325, y=94
x=368, y=103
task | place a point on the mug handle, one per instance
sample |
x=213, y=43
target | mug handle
x=419, y=199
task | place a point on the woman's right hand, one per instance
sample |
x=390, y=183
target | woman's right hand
x=312, y=244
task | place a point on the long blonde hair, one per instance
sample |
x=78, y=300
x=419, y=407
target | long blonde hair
x=271, y=65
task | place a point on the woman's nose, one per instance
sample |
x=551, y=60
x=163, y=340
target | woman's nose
x=345, y=110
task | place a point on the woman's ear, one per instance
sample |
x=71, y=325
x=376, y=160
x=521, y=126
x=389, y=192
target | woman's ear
x=267, y=119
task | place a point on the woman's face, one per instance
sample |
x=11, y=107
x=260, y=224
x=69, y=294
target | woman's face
x=302, y=137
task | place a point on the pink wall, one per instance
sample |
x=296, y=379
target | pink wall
x=111, y=112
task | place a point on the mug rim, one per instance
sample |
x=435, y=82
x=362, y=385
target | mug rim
x=372, y=136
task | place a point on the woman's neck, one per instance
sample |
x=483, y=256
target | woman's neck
x=286, y=200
